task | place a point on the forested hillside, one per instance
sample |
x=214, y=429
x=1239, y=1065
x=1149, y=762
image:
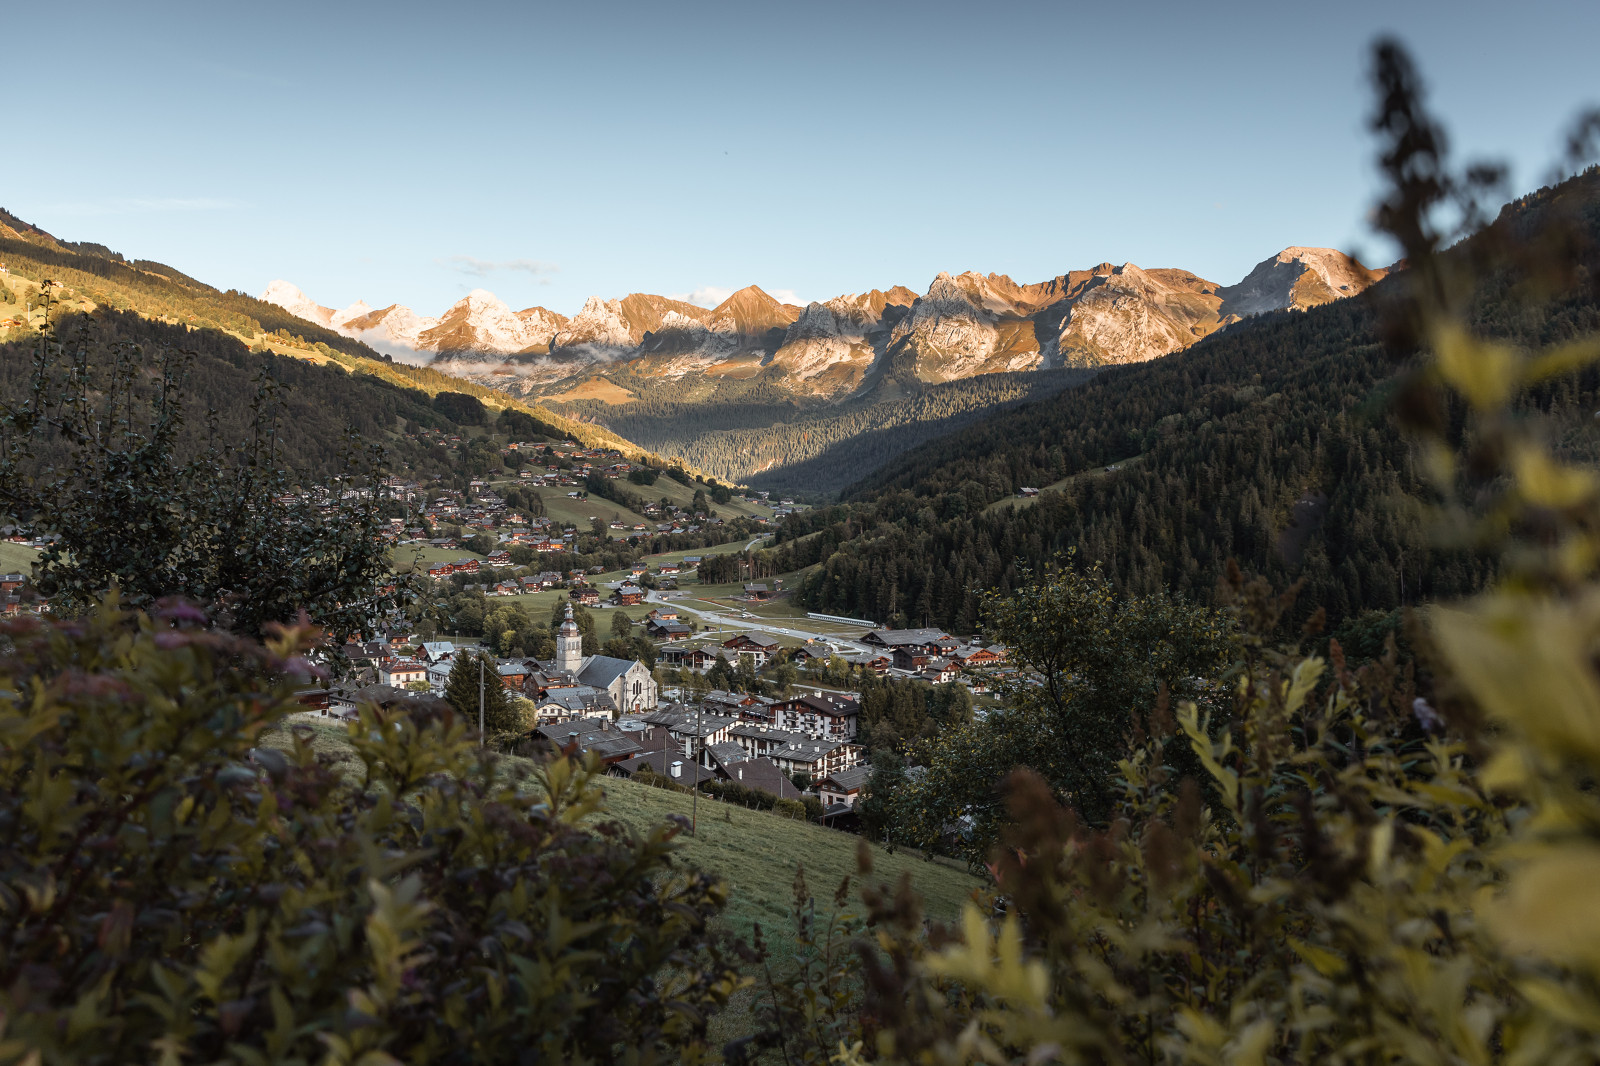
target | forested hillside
x=1270, y=443
x=333, y=379
x=785, y=448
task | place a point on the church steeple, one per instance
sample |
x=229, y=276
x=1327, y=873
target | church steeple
x=569, y=644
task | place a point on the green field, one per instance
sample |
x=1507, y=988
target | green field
x=16, y=558
x=1057, y=486
x=757, y=852
x=404, y=554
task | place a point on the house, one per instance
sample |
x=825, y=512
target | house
x=679, y=769
x=402, y=672
x=794, y=752
x=691, y=729
x=663, y=614
x=757, y=592
x=843, y=786
x=878, y=664
x=941, y=671
x=820, y=714
x=343, y=702
x=666, y=569
x=12, y=582
x=512, y=674
x=588, y=597
x=759, y=646
x=464, y=566
x=628, y=596
x=913, y=658
x=975, y=656
x=667, y=631
x=597, y=735
x=565, y=703
x=436, y=651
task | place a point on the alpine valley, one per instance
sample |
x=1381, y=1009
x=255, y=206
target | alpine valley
x=759, y=390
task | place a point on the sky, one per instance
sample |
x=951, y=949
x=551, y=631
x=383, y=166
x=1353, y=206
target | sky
x=409, y=153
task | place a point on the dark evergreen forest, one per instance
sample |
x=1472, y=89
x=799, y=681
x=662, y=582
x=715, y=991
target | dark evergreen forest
x=1271, y=443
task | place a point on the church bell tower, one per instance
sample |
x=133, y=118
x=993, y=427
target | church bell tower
x=569, y=645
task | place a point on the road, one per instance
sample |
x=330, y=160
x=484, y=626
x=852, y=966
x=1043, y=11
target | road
x=735, y=622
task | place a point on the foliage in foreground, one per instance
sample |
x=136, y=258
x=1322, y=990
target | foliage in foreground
x=169, y=892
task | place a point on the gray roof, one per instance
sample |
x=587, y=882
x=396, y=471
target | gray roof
x=763, y=774
x=894, y=638
x=850, y=778
x=601, y=670
x=661, y=762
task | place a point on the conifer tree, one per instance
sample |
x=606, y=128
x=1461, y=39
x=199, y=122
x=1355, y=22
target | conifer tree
x=461, y=691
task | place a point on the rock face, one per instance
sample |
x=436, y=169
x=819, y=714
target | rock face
x=1129, y=315
x=1298, y=278
x=963, y=325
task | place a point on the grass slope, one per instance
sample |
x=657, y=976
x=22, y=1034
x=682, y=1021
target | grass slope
x=757, y=852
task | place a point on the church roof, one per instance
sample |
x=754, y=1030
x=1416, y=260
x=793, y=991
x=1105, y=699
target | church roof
x=601, y=670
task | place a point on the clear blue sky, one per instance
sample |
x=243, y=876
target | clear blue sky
x=409, y=153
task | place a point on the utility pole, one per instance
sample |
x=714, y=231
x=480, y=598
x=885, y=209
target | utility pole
x=694, y=801
x=480, y=699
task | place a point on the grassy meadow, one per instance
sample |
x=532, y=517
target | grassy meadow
x=757, y=852
x=16, y=558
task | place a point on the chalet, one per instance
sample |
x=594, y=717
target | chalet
x=911, y=658
x=878, y=664
x=822, y=714
x=843, y=786
x=667, y=631
x=440, y=570
x=597, y=735
x=437, y=651
x=588, y=597
x=692, y=729
x=565, y=703
x=464, y=566
x=759, y=646
x=506, y=588
x=758, y=592
x=941, y=672
x=668, y=568
x=1027, y=493
x=664, y=614
x=12, y=582
x=512, y=674
x=628, y=596
x=795, y=752
x=343, y=703
x=678, y=769
x=977, y=656
x=499, y=559
x=402, y=672
x=741, y=705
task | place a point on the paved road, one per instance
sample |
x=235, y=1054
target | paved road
x=735, y=622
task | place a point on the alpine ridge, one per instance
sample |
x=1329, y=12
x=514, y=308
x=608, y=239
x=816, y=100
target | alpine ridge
x=964, y=325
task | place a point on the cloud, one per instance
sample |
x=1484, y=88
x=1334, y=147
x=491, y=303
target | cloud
x=712, y=295
x=482, y=268
x=707, y=296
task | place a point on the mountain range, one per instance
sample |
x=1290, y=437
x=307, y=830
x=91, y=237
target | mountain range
x=962, y=326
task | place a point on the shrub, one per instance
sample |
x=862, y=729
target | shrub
x=170, y=888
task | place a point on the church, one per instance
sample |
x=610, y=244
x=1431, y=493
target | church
x=629, y=683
